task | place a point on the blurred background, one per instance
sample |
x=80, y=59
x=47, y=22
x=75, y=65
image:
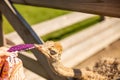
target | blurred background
x=85, y=37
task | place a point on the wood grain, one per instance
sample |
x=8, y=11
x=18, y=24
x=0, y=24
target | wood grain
x=1, y=31
x=101, y=7
x=36, y=68
x=28, y=35
x=66, y=1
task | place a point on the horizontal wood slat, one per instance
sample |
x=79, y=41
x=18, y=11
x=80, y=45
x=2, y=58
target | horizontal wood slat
x=66, y=1
x=103, y=7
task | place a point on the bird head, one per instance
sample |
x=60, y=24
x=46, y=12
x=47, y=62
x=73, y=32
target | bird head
x=51, y=50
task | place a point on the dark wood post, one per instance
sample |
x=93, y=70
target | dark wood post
x=1, y=31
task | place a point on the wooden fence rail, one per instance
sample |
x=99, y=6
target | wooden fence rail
x=101, y=7
x=65, y=1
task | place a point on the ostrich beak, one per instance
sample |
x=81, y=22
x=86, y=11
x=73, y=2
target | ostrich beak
x=42, y=50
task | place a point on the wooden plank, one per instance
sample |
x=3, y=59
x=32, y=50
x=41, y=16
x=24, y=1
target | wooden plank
x=29, y=75
x=65, y=1
x=1, y=31
x=28, y=63
x=104, y=7
x=27, y=34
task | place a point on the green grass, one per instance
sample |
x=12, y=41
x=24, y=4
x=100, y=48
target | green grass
x=64, y=32
x=34, y=15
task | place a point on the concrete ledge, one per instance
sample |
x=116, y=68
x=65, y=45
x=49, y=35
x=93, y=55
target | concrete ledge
x=91, y=45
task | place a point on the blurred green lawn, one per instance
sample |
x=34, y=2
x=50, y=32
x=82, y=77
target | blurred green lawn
x=33, y=15
x=69, y=30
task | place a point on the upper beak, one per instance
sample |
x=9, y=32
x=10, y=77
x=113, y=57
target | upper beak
x=42, y=50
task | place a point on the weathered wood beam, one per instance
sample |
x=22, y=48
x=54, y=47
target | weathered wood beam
x=101, y=7
x=36, y=68
x=1, y=31
x=28, y=36
x=64, y=1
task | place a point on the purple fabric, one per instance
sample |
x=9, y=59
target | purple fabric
x=21, y=47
